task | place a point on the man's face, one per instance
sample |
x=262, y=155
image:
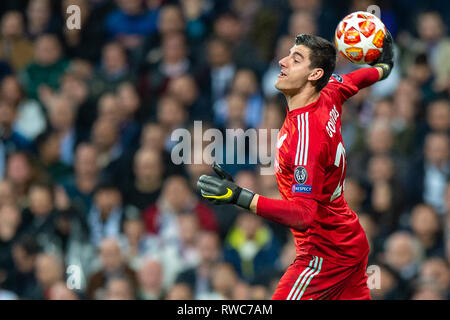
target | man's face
x=295, y=70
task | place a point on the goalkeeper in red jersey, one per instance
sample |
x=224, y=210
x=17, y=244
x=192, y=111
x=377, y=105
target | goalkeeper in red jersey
x=310, y=166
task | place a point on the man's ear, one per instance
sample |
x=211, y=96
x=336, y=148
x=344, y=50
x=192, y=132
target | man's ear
x=316, y=74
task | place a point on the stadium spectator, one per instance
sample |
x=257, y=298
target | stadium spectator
x=176, y=198
x=179, y=291
x=59, y=291
x=112, y=265
x=106, y=214
x=30, y=120
x=14, y=46
x=150, y=277
x=120, y=288
x=46, y=68
x=49, y=271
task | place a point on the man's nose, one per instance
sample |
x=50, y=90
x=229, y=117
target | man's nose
x=282, y=62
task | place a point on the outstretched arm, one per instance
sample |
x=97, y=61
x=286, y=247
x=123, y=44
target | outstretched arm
x=297, y=214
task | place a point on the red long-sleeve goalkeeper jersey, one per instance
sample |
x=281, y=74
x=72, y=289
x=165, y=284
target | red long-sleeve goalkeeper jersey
x=310, y=166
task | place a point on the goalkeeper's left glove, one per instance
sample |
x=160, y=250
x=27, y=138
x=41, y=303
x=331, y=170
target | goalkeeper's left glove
x=223, y=190
x=386, y=60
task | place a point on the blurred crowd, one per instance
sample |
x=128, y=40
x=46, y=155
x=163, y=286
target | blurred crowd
x=91, y=204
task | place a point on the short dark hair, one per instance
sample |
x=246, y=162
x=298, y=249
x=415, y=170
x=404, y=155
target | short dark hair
x=323, y=55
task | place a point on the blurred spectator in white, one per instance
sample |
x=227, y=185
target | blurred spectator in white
x=14, y=46
x=30, y=118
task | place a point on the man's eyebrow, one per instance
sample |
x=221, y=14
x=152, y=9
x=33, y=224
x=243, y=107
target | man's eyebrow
x=296, y=52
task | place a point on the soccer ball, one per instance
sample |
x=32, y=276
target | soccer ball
x=359, y=37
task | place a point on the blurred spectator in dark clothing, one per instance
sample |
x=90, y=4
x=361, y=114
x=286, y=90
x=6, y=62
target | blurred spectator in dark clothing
x=49, y=271
x=81, y=187
x=46, y=69
x=49, y=151
x=30, y=119
x=435, y=270
x=229, y=27
x=403, y=253
x=39, y=18
x=151, y=280
x=105, y=138
x=21, y=279
x=39, y=215
x=390, y=286
x=106, y=214
x=432, y=172
x=186, y=90
x=146, y=186
x=200, y=277
x=62, y=113
x=129, y=112
x=131, y=22
x=250, y=247
x=10, y=221
x=112, y=266
x=14, y=46
x=215, y=77
x=86, y=42
x=114, y=70
x=173, y=63
x=426, y=226
x=177, y=198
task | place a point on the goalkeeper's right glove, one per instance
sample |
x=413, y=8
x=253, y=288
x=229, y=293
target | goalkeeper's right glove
x=223, y=190
x=386, y=60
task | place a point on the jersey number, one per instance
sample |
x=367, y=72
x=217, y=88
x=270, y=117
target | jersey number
x=340, y=154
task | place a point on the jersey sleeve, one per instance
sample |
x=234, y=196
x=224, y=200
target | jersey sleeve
x=342, y=87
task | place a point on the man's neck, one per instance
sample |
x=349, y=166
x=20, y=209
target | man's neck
x=302, y=99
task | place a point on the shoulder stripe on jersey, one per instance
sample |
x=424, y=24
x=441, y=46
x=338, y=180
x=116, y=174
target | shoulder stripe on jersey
x=302, y=149
x=299, y=137
x=303, y=139
x=305, y=160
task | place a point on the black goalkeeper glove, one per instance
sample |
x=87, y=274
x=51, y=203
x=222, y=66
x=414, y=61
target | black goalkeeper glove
x=223, y=190
x=386, y=60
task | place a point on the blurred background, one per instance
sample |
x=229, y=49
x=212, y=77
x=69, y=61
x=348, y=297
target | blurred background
x=91, y=201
